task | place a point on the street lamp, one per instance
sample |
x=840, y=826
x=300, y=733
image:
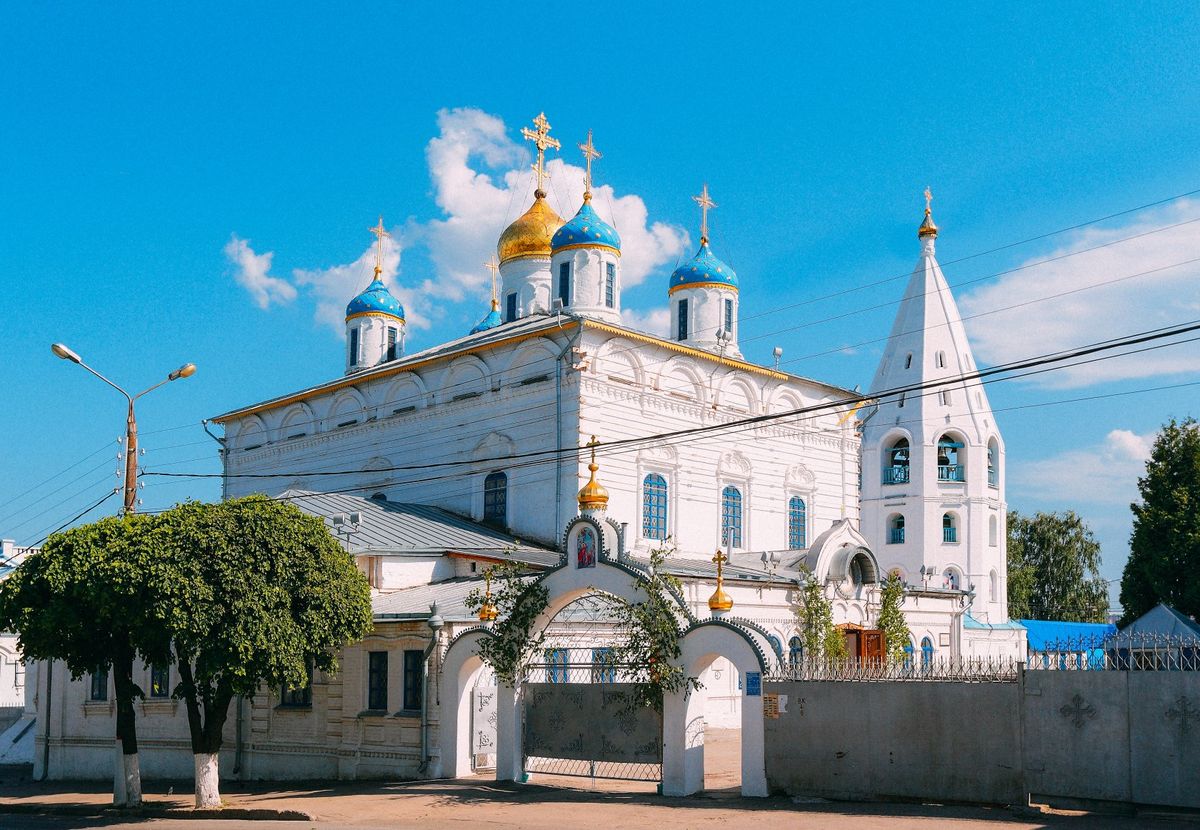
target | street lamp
x=184, y=371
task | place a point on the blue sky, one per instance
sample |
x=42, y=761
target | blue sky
x=138, y=142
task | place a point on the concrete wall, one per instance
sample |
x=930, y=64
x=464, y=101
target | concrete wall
x=1058, y=737
x=896, y=739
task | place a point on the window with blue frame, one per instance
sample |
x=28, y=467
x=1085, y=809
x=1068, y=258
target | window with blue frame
x=604, y=670
x=797, y=523
x=510, y=307
x=908, y=654
x=682, y=330
x=896, y=460
x=896, y=530
x=354, y=346
x=654, y=507
x=926, y=652
x=392, y=350
x=729, y=317
x=776, y=647
x=495, y=500
x=556, y=665
x=99, y=685
x=950, y=465
x=564, y=283
x=731, y=517
x=795, y=651
x=610, y=285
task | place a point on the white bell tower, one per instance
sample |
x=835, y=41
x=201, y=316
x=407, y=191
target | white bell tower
x=933, y=458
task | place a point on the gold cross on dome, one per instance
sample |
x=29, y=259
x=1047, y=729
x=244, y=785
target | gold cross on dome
x=494, y=267
x=380, y=232
x=928, y=200
x=720, y=559
x=593, y=444
x=706, y=203
x=590, y=154
x=540, y=136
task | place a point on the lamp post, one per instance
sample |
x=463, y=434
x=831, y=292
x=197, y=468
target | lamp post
x=184, y=371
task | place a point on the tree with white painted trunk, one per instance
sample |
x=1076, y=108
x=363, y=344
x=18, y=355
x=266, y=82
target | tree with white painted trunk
x=259, y=593
x=88, y=599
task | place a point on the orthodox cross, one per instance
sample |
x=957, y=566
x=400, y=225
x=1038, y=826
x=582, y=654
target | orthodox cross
x=1184, y=712
x=540, y=136
x=720, y=559
x=494, y=267
x=593, y=444
x=590, y=154
x=380, y=232
x=1077, y=711
x=706, y=203
x=928, y=200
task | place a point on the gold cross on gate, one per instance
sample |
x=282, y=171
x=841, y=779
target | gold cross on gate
x=720, y=559
x=540, y=136
x=380, y=232
x=494, y=267
x=706, y=203
x=928, y=199
x=590, y=154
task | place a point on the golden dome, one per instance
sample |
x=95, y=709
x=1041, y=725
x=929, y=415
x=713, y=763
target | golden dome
x=530, y=234
x=593, y=496
x=720, y=601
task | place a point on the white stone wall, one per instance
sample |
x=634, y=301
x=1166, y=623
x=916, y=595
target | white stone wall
x=372, y=340
x=706, y=316
x=529, y=278
x=588, y=281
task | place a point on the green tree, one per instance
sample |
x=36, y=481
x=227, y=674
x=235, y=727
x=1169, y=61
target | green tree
x=818, y=634
x=255, y=592
x=517, y=602
x=85, y=599
x=1054, y=569
x=891, y=618
x=1164, y=549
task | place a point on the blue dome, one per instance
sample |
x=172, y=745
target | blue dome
x=492, y=320
x=586, y=228
x=375, y=300
x=703, y=268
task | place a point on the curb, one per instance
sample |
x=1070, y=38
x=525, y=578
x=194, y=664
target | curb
x=227, y=813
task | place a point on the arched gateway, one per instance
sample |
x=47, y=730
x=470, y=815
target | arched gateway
x=574, y=710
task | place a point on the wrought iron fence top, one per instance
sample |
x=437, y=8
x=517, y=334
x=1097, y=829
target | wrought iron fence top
x=972, y=669
x=1132, y=651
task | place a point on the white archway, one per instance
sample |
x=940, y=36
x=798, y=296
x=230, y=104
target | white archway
x=461, y=665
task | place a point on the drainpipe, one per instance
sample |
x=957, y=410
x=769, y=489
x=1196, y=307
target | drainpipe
x=49, y=703
x=224, y=460
x=435, y=623
x=558, y=442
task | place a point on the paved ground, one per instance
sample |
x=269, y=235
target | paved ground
x=548, y=803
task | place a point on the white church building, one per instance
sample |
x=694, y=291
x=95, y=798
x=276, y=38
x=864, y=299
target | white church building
x=434, y=465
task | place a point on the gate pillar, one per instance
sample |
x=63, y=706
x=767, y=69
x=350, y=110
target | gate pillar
x=509, y=750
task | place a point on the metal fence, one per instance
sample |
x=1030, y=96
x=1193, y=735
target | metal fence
x=969, y=669
x=1119, y=652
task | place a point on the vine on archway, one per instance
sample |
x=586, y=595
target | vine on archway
x=517, y=600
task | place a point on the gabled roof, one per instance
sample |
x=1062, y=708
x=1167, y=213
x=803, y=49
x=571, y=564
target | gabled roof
x=1052, y=635
x=414, y=603
x=1163, y=619
x=394, y=527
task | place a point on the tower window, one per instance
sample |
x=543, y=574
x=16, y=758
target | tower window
x=731, y=517
x=654, y=507
x=729, y=317
x=908, y=361
x=564, y=283
x=495, y=499
x=510, y=307
x=950, y=465
x=941, y=360
x=354, y=346
x=896, y=530
x=896, y=461
x=797, y=523
x=949, y=528
x=682, y=333
x=391, y=343
x=610, y=285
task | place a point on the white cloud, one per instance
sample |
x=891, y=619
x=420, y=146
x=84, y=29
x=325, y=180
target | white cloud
x=656, y=321
x=254, y=274
x=1105, y=474
x=1169, y=295
x=482, y=181
x=334, y=287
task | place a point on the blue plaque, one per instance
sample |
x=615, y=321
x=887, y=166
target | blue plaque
x=753, y=684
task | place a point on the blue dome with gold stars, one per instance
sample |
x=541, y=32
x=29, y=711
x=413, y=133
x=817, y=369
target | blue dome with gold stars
x=376, y=299
x=490, y=321
x=703, y=269
x=586, y=229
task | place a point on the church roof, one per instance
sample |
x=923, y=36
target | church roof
x=703, y=269
x=395, y=527
x=375, y=299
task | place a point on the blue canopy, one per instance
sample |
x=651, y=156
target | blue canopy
x=1054, y=635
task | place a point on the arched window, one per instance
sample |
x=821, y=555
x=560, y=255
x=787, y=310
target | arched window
x=926, y=652
x=951, y=580
x=776, y=647
x=495, y=500
x=654, y=507
x=797, y=523
x=895, y=460
x=731, y=517
x=896, y=530
x=950, y=459
x=949, y=528
x=908, y=654
x=993, y=586
x=993, y=531
x=993, y=456
x=795, y=651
